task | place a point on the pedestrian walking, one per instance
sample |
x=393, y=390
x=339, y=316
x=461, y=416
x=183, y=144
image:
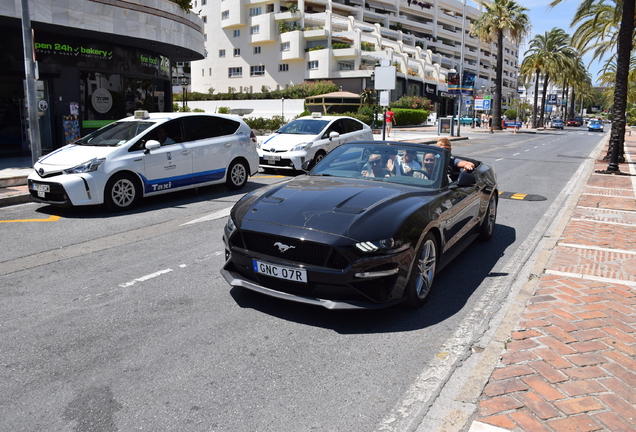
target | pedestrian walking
x=388, y=118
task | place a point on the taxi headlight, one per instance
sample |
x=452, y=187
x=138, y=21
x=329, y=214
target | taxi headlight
x=86, y=167
x=302, y=146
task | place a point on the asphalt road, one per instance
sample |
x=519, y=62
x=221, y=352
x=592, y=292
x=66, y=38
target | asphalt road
x=121, y=322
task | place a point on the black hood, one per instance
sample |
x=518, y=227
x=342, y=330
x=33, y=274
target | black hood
x=339, y=206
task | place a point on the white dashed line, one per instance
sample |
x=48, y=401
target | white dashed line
x=145, y=278
x=212, y=216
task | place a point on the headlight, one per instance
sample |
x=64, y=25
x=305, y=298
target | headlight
x=374, y=246
x=302, y=146
x=230, y=227
x=86, y=167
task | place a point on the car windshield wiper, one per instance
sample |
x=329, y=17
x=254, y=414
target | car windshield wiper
x=323, y=175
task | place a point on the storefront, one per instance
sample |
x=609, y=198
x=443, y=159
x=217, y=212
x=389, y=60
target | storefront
x=83, y=84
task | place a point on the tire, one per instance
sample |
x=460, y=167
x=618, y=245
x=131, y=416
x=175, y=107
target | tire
x=320, y=155
x=423, y=271
x=236, y=175
x=122, y=192
x=487, y=227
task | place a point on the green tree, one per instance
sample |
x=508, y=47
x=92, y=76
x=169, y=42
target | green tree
x=501, y=18
x=604, y=27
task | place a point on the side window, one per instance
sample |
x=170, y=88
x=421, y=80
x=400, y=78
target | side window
x=353, y=125
x=166, y=133
x=202, y=127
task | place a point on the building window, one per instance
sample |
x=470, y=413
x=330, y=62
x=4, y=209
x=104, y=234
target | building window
x=237, y=52
x=312, y=65
x=235, y=72
x=205, y=19
x=221, y=53
x=202, y=72
x=256, y=11
x=257, y=50
x=255, y=29
x=270, y=8
x=237, y=33
x=345, y=66
x=285, y=46
x=204, y=2
x=257, y=70
x=210, y=72
x=225, y=15
x=205, y=37
x=284, y=67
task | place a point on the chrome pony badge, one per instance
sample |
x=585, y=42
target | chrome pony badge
x=283, y=247
x=169, y=156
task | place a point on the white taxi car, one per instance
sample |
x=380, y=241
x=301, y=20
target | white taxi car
x=146, y=154
x=310, y=137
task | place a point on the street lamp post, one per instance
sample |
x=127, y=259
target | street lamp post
x=185, y=81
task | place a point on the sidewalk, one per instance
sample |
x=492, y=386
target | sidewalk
x=569, y=363
x=13, y=174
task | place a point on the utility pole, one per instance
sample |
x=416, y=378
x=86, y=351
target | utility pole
x=30, y=89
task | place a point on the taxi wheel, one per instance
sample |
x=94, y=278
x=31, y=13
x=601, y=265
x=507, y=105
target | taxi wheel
x=320, y=155
x=236, y=175
x=122, y=192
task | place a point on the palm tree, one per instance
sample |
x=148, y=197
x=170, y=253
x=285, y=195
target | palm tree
x=598, y=39
x=533, y=64
x=553, y=51
x=501, y=18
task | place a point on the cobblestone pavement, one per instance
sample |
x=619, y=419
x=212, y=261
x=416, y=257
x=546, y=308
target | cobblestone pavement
x=570, y=364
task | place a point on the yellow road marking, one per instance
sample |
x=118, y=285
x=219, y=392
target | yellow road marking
x=518, y=196
x=51, y=218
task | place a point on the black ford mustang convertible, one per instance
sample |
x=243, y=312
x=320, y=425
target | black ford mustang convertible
x=367, y=227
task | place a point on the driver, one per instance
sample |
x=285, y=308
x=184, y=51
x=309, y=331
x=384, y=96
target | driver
x=377, y=167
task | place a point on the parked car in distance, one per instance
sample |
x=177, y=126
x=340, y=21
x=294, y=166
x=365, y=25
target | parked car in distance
x=580, y=120
x=146, y=154
x=349, y=234
x=557, y=124
x=309, y=137
x=595, y=125
x=573, y=122
x=466, y=120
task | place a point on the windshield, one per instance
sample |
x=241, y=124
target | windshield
x=595, y=122
x=114, y=134
x=422, y=166
x=304, y=127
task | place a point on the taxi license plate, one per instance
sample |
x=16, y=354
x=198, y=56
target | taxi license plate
x=293, y=274
x=42, y=189
x=271, y=158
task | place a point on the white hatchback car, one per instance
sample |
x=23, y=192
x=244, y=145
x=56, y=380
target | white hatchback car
x=146, y=154
x=310, y=137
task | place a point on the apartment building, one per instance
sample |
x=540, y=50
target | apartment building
x=252, y=45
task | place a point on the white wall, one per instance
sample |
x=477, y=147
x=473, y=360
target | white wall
x=266, y=108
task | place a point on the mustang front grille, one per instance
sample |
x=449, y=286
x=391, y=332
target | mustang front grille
x=292, y=249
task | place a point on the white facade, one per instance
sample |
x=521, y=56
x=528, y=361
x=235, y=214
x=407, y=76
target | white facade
x=341, y=41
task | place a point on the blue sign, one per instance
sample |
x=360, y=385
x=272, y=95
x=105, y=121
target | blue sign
x=486, y=104
x=512, y=124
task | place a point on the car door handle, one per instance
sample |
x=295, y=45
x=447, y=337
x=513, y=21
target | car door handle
x=229, y=144
x=185, y=152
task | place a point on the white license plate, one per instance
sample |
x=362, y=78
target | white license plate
x=293, y=274
x=41, y=187
x=271, y=158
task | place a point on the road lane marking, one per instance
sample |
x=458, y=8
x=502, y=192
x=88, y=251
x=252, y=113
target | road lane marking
x=212, y=216
x=51, y=218
x=145, y=278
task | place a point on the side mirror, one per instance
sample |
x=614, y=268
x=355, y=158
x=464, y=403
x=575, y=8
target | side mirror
x=307, y=165
x=152, y=145
x=466, y=179
x=333, y=135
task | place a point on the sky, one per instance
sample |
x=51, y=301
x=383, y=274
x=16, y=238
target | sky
x=543, y=18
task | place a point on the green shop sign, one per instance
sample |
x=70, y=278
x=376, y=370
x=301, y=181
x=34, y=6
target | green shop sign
x=70, y=51
x=95, y=124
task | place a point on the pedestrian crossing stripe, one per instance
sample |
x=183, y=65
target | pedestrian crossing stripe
x=521, y=197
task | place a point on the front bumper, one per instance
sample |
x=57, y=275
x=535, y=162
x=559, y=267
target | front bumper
x=340, y=281
x=66, y=189
x=288, y=160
